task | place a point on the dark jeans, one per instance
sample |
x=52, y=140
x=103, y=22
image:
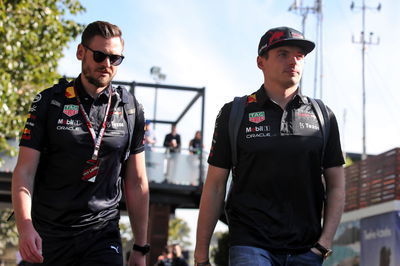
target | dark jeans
x=246, y=255
x=93, y=248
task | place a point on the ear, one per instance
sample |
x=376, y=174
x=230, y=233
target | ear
x=260, y=62
x=80, y=52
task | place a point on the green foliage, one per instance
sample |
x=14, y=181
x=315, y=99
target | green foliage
x=220, y=254
x=179, y=232
x=126, y=232
x=33, y=34
x=8, y=230
x=348, y=161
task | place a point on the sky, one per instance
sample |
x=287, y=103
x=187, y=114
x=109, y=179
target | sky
x=213, y=44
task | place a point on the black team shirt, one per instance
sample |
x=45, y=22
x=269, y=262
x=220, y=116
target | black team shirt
x=277, y=197
x=63, y=204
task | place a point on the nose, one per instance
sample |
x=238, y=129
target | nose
x=293, y=60
x=106, y=62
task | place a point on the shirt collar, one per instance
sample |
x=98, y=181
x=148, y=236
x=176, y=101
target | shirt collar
x=84, y=95
x=262, y=97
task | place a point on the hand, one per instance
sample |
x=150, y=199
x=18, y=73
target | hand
x=30, y=244
x=174, y=143
x=137, y=259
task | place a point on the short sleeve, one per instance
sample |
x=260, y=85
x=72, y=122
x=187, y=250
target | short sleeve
x=137, y=143
x=220, y=153
x=33, y=134
x=333, y=155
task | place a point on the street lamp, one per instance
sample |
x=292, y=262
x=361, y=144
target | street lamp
x=157, y=76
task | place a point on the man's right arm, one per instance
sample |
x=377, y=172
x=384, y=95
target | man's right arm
x=30, y=243
x=211, y=205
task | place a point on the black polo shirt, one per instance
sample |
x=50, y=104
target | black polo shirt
x=277, y=197
x=63, y=203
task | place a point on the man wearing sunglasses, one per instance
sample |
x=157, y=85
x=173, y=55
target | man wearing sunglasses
x=82, y=140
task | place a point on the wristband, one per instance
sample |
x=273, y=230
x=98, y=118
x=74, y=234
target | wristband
x=143, y=249
x=326, y=252
x=205, y=263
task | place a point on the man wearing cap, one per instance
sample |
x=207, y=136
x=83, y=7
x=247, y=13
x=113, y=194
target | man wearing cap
x=277, y=200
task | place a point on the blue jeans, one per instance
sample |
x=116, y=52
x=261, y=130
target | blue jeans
x=246, y=255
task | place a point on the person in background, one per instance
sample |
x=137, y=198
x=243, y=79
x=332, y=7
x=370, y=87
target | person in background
x=195, y=144
x=149, y=136
x=66, y=186
x=177, y=257
x=165, y=259
x=172, y=141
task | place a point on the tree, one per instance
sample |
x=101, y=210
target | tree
x=126, y=232
x=33, y=34
x=178, y=231
x=220, y=253
x=8, y=230
x=348, y=161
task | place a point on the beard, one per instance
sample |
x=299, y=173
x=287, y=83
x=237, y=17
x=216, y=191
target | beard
x=98, y=82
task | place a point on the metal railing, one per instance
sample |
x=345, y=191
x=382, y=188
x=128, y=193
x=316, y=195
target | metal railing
x=174, y=168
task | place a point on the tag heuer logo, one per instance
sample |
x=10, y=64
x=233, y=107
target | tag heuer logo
x=71, y=110
x=257, y=117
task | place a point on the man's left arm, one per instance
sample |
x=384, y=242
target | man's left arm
x=333, y=209
x=137, y=202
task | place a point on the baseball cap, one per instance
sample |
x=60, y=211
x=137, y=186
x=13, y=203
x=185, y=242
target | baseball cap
x=284, y=36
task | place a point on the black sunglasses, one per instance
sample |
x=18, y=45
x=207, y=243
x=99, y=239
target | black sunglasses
x=99, y=57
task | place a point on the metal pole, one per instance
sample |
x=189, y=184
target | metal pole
x=321, y=48
x=155, y=72
x=155, y=107
x=364, y=43
x=203, y=103
x=303, y=23
x=364, y=148
x=298, y=8
x=316, y=50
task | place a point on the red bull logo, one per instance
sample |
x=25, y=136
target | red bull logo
x=276, y=37
x=31, y=116
x=70, y=92
x=252, y=99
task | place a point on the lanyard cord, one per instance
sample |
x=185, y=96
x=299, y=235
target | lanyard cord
x=96, y=139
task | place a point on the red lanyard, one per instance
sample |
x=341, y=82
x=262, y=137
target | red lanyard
x=96, y=139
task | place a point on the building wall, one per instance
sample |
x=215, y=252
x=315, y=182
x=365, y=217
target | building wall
x=369, y=241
